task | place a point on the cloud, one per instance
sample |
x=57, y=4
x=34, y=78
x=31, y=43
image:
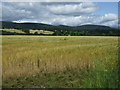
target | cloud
x=109, y=20
x=11, y=12
x=59, y=0
x=71, y=14
x=81, y=20
x=73, y=9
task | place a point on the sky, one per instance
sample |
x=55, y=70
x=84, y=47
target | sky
x=62, y=13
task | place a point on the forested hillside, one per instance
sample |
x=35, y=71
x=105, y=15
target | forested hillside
x=60, y=30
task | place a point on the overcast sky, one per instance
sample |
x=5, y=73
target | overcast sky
x=62, y=13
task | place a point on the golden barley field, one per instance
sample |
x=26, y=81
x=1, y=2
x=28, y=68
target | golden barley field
x=60, y=61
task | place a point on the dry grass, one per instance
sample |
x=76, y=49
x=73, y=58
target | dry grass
x=0, y=62
x=41, y=32
x=13, y=30
x=28, y=55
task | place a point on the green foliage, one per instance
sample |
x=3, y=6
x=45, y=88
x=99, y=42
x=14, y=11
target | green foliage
x=36, y=33
x=61, y=30
x=26, y=31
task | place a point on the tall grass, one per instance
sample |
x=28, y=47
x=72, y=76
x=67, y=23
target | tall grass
x=91, y=61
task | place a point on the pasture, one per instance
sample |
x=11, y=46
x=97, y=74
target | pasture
x=60, y=61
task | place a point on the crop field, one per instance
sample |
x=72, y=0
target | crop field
x=41, y=32
x=18, y=31
x=60, y=62
x=13, y=30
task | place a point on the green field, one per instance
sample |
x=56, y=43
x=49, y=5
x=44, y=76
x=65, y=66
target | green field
x=60, y=61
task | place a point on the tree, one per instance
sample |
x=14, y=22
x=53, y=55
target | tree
x=110, y=33
x=26, y=31
x=36, y=33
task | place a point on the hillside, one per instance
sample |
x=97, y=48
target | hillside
x=63, y=30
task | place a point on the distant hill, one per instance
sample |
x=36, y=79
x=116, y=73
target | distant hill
x=47, y=26
x=62, y=29
x=91, y=27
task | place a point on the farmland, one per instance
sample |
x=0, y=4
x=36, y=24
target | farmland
x=23, y=32
x=60, y=61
